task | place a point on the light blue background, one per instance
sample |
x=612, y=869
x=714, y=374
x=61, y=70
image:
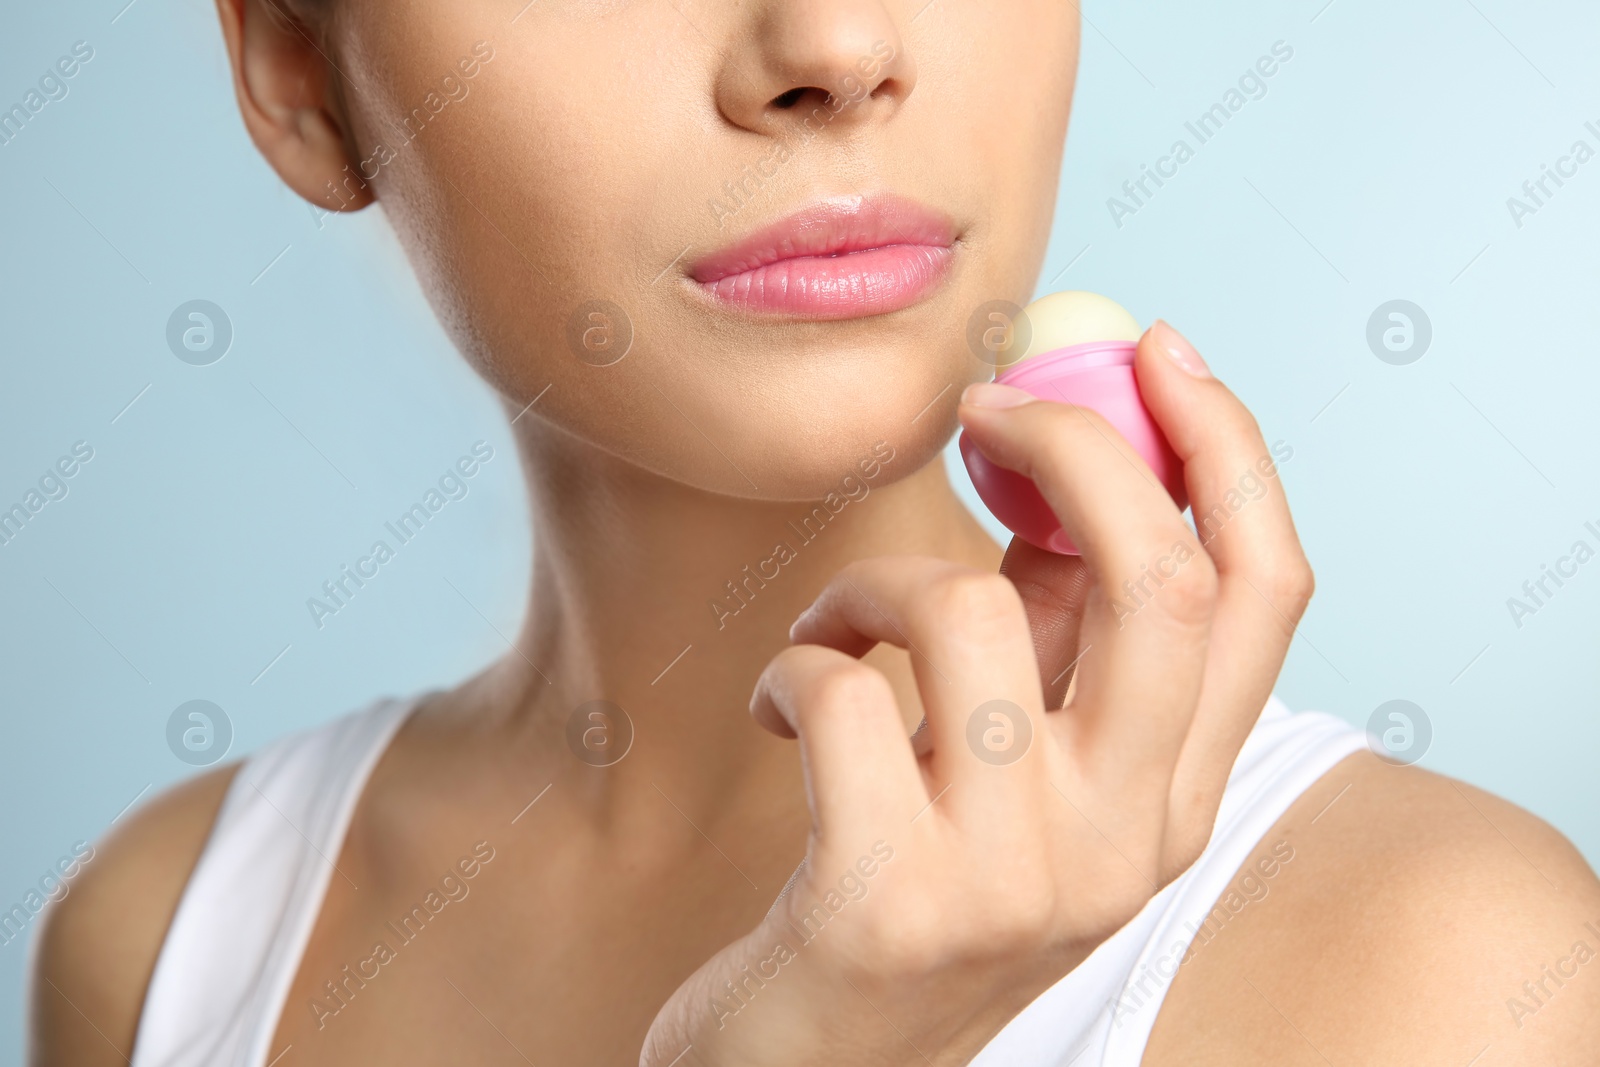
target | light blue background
x=1376, y=167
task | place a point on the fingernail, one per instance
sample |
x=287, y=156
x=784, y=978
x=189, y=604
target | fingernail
x=793, y=626
x=991, y=395
x=1176, y=346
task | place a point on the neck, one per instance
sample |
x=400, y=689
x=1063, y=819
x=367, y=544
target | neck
x=668, y=601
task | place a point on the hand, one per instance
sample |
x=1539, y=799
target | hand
x=941, y=893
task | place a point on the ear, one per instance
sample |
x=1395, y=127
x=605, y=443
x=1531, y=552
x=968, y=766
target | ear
x=290, y=102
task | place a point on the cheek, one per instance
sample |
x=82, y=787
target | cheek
x=553, y=183
x=1015, y=87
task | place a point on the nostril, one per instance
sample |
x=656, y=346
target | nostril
x=852, y=92
x=790, y=98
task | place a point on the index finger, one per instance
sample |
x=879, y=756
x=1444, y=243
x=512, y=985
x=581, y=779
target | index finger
x=968, y=639
x=1264, y=582
x=1138, y=688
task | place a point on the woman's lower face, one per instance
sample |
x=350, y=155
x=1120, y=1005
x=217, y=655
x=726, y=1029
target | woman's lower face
x=765, y=225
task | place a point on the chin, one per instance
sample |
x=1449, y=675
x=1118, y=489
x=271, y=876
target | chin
x=789, y=431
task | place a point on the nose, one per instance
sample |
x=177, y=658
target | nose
x=815, y=64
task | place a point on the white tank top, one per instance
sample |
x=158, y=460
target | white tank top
x=247, y=913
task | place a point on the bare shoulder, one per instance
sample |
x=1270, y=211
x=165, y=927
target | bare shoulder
x=98, y=944
x=1394, y=916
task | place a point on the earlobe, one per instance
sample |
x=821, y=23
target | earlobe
x=283, y=82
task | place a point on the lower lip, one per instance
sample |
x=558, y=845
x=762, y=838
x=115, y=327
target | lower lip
x=874, y=281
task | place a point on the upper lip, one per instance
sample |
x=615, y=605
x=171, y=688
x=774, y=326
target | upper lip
x=835, y=227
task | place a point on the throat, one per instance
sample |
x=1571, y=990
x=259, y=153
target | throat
x=654, y=609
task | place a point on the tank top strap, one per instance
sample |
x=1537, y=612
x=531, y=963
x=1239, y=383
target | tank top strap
x=247, y=914
x=244, y=919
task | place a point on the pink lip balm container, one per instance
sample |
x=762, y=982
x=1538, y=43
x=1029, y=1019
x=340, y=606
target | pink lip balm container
x=1099, y=376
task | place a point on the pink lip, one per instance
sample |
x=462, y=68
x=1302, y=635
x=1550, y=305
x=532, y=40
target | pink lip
x=843, y=259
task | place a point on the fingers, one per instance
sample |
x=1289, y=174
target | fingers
x=1054, y=591
x=1139, y=681
x=968, y=638
x=858, y=762
x=1242, y=518
x=1240, y=512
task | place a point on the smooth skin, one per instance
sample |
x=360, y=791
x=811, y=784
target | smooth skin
x=580, y=165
